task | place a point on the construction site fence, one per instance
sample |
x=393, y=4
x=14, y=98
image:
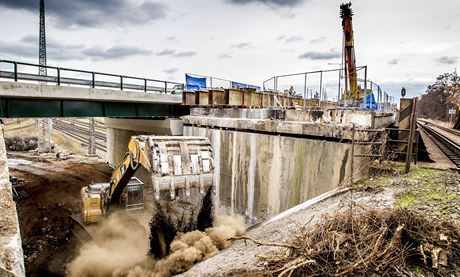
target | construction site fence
x=322, y=84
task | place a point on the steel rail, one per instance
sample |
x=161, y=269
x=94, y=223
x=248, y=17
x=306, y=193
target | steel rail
x=450, y=130
x=80, y=130
x=80, y=138
x=446, y=145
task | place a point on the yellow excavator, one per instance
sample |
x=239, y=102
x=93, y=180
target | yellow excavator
x=177, y=165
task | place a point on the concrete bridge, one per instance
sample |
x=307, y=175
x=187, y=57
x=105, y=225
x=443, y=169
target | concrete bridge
x=92, y=94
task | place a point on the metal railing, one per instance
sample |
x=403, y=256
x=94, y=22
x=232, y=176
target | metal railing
x=383, y=100
x=275, y=79
x=92, y=82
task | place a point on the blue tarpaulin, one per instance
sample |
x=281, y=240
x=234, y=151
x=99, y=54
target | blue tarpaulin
x=194, y=83
x=241, y=85
x=369, y=102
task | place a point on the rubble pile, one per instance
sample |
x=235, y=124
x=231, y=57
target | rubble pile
x=17, y=143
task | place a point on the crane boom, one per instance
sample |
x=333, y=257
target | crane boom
x=352, y=90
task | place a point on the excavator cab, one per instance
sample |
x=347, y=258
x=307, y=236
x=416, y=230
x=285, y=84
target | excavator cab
x=94, y=199
x=133, y=195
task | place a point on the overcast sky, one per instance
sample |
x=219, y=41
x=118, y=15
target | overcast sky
x=403, y=43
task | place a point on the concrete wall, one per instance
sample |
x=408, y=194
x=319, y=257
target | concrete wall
x=11, y=255
x=262, y=175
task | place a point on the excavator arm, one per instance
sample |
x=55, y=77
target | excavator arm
x=135, y=156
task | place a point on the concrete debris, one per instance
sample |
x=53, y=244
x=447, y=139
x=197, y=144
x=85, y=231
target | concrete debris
x=62, y=155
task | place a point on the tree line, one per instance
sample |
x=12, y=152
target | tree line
x=440, y=97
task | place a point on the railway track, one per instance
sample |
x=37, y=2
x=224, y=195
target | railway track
x=450, y=148
x=97, y=126
x=22, y=127
x=77, y=128
x=450, y=130
x=81, y=134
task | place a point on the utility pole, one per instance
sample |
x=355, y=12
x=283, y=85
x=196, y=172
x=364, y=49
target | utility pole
x=44, y=124
x=92, y=142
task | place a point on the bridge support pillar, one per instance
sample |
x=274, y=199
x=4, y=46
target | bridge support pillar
x=120, y=130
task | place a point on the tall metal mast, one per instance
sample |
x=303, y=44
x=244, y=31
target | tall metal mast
x=44, y=124
x=42, y=42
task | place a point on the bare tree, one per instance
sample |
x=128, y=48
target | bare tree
x=440, y=97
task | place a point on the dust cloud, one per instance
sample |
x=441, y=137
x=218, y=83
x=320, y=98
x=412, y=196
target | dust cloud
x=120, y=242
x=122, y=247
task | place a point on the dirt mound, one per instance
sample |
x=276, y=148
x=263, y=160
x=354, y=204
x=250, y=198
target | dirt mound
x=368, y=242
x=53, y=194
x=17, y=143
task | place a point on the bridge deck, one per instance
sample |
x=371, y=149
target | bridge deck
x=40, y=100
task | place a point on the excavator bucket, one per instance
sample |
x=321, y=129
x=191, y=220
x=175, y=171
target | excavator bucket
x=179, y=162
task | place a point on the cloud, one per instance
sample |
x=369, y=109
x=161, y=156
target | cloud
x=317, y=40
x=115, y=52
x=241, y=45
x=176, y=54
x=290, y=39
x=171, y=70
x=393, y=61
x=280, y=3
x=90, y=13
x=27, y=47
x=314, y=55
x=225, y=56
x=184, y=54
x=281, y=37
x=446, y=60
x=404, y=41
x=413, y=87
x=166, y=52
x=171, y=38
x=446, y=27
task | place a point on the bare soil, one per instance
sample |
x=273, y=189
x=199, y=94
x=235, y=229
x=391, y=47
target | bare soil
x=53, y=188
